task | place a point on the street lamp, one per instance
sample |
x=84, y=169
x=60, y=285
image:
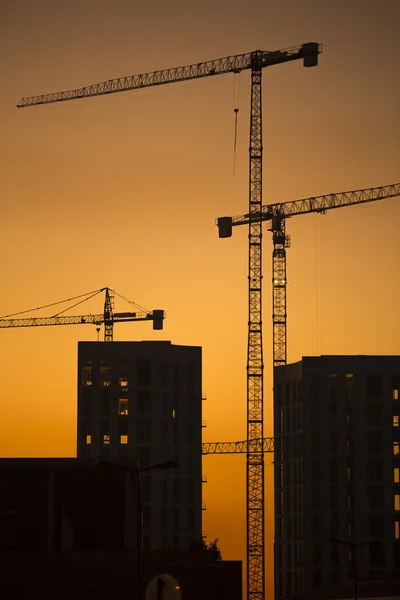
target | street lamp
x=135, y=475
x=354, y=546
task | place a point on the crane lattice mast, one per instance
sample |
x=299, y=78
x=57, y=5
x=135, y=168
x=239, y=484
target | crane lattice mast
x=255, y=62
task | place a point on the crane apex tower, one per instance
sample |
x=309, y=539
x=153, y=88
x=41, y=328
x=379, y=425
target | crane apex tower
x=144, y=400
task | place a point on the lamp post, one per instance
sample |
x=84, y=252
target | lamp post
x=354, y=546
x=135, y=473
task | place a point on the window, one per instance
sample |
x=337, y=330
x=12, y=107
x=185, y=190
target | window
x=374, y=386
x=143, y=402
x=396, y=502
x=314, y=386
x=395, y=420
x=376, y=524
x=375, y=414
x=105, y=380
x=333, y=469
x=317, y=577
x=396, y=475
x=375, y=468
x=86, y=373
x=86, y=402
x=334, y=524
x=165, y=375
x=190, y=377
x=395, y=387
x=123, y=407
x=88, y=439
x=374, y=442
x=123, y=383
x=333, y=386
x=397, y=530
x=104, y=403
x=177, y=437
x=175, y=376
x=349, y=386
x=396, y=447
x=123, y=439
x=106, y=439
x=143, y=431
x=144, y=372
x=377, y=555
x=376, y=497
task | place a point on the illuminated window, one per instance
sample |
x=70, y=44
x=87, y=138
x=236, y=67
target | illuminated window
x=395, y=420
x=105, y=380
x=397, y=530
x=88, y=440
x=106, y=439
x=396, y=447
x=123, y=382
x=123, y=406
x=173, y=413
x=396, y=475
x=123, y=439
x=87, y=373
x=395, y=394
x=349, y=385
x=397, y=502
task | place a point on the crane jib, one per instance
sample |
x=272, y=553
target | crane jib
x=258, y=59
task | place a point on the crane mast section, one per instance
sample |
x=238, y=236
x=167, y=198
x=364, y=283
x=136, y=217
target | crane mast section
x=319, y=204
x=221, y=66
x=267, y=445
x=74, y=320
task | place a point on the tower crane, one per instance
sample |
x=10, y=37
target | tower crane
x=255, y=62
x=108, y=318
x=276, y=215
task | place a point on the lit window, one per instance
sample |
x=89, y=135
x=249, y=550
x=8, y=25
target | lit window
x=173, y=413
x=88, y=440
x=123, y=439
x=397, y=502
x=123, y=382
x=87, y=374
x=397, y=530
x=123, y=406
x=396, y=475
x=104, y=374
x=396, y=447
x=106, y=439
x=395, y=394
x=395, y=420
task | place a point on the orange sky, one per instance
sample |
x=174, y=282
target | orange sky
x=122, y=191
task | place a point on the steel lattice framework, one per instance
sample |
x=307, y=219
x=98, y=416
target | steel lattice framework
x=254, y=61
x=108, y=318
x=276, y=215
x=235, y=447
x=255, y=366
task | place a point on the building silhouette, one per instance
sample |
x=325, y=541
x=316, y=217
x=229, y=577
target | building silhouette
x=144, y=400
x=337, y=471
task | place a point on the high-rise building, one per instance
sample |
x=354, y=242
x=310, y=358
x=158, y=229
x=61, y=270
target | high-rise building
x=337, y=465
x=144, y=400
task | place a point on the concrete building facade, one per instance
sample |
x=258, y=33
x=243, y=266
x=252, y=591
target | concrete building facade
x=337, y=471
x=144, y=400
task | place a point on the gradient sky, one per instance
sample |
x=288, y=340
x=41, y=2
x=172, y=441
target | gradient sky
x=122, y=191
